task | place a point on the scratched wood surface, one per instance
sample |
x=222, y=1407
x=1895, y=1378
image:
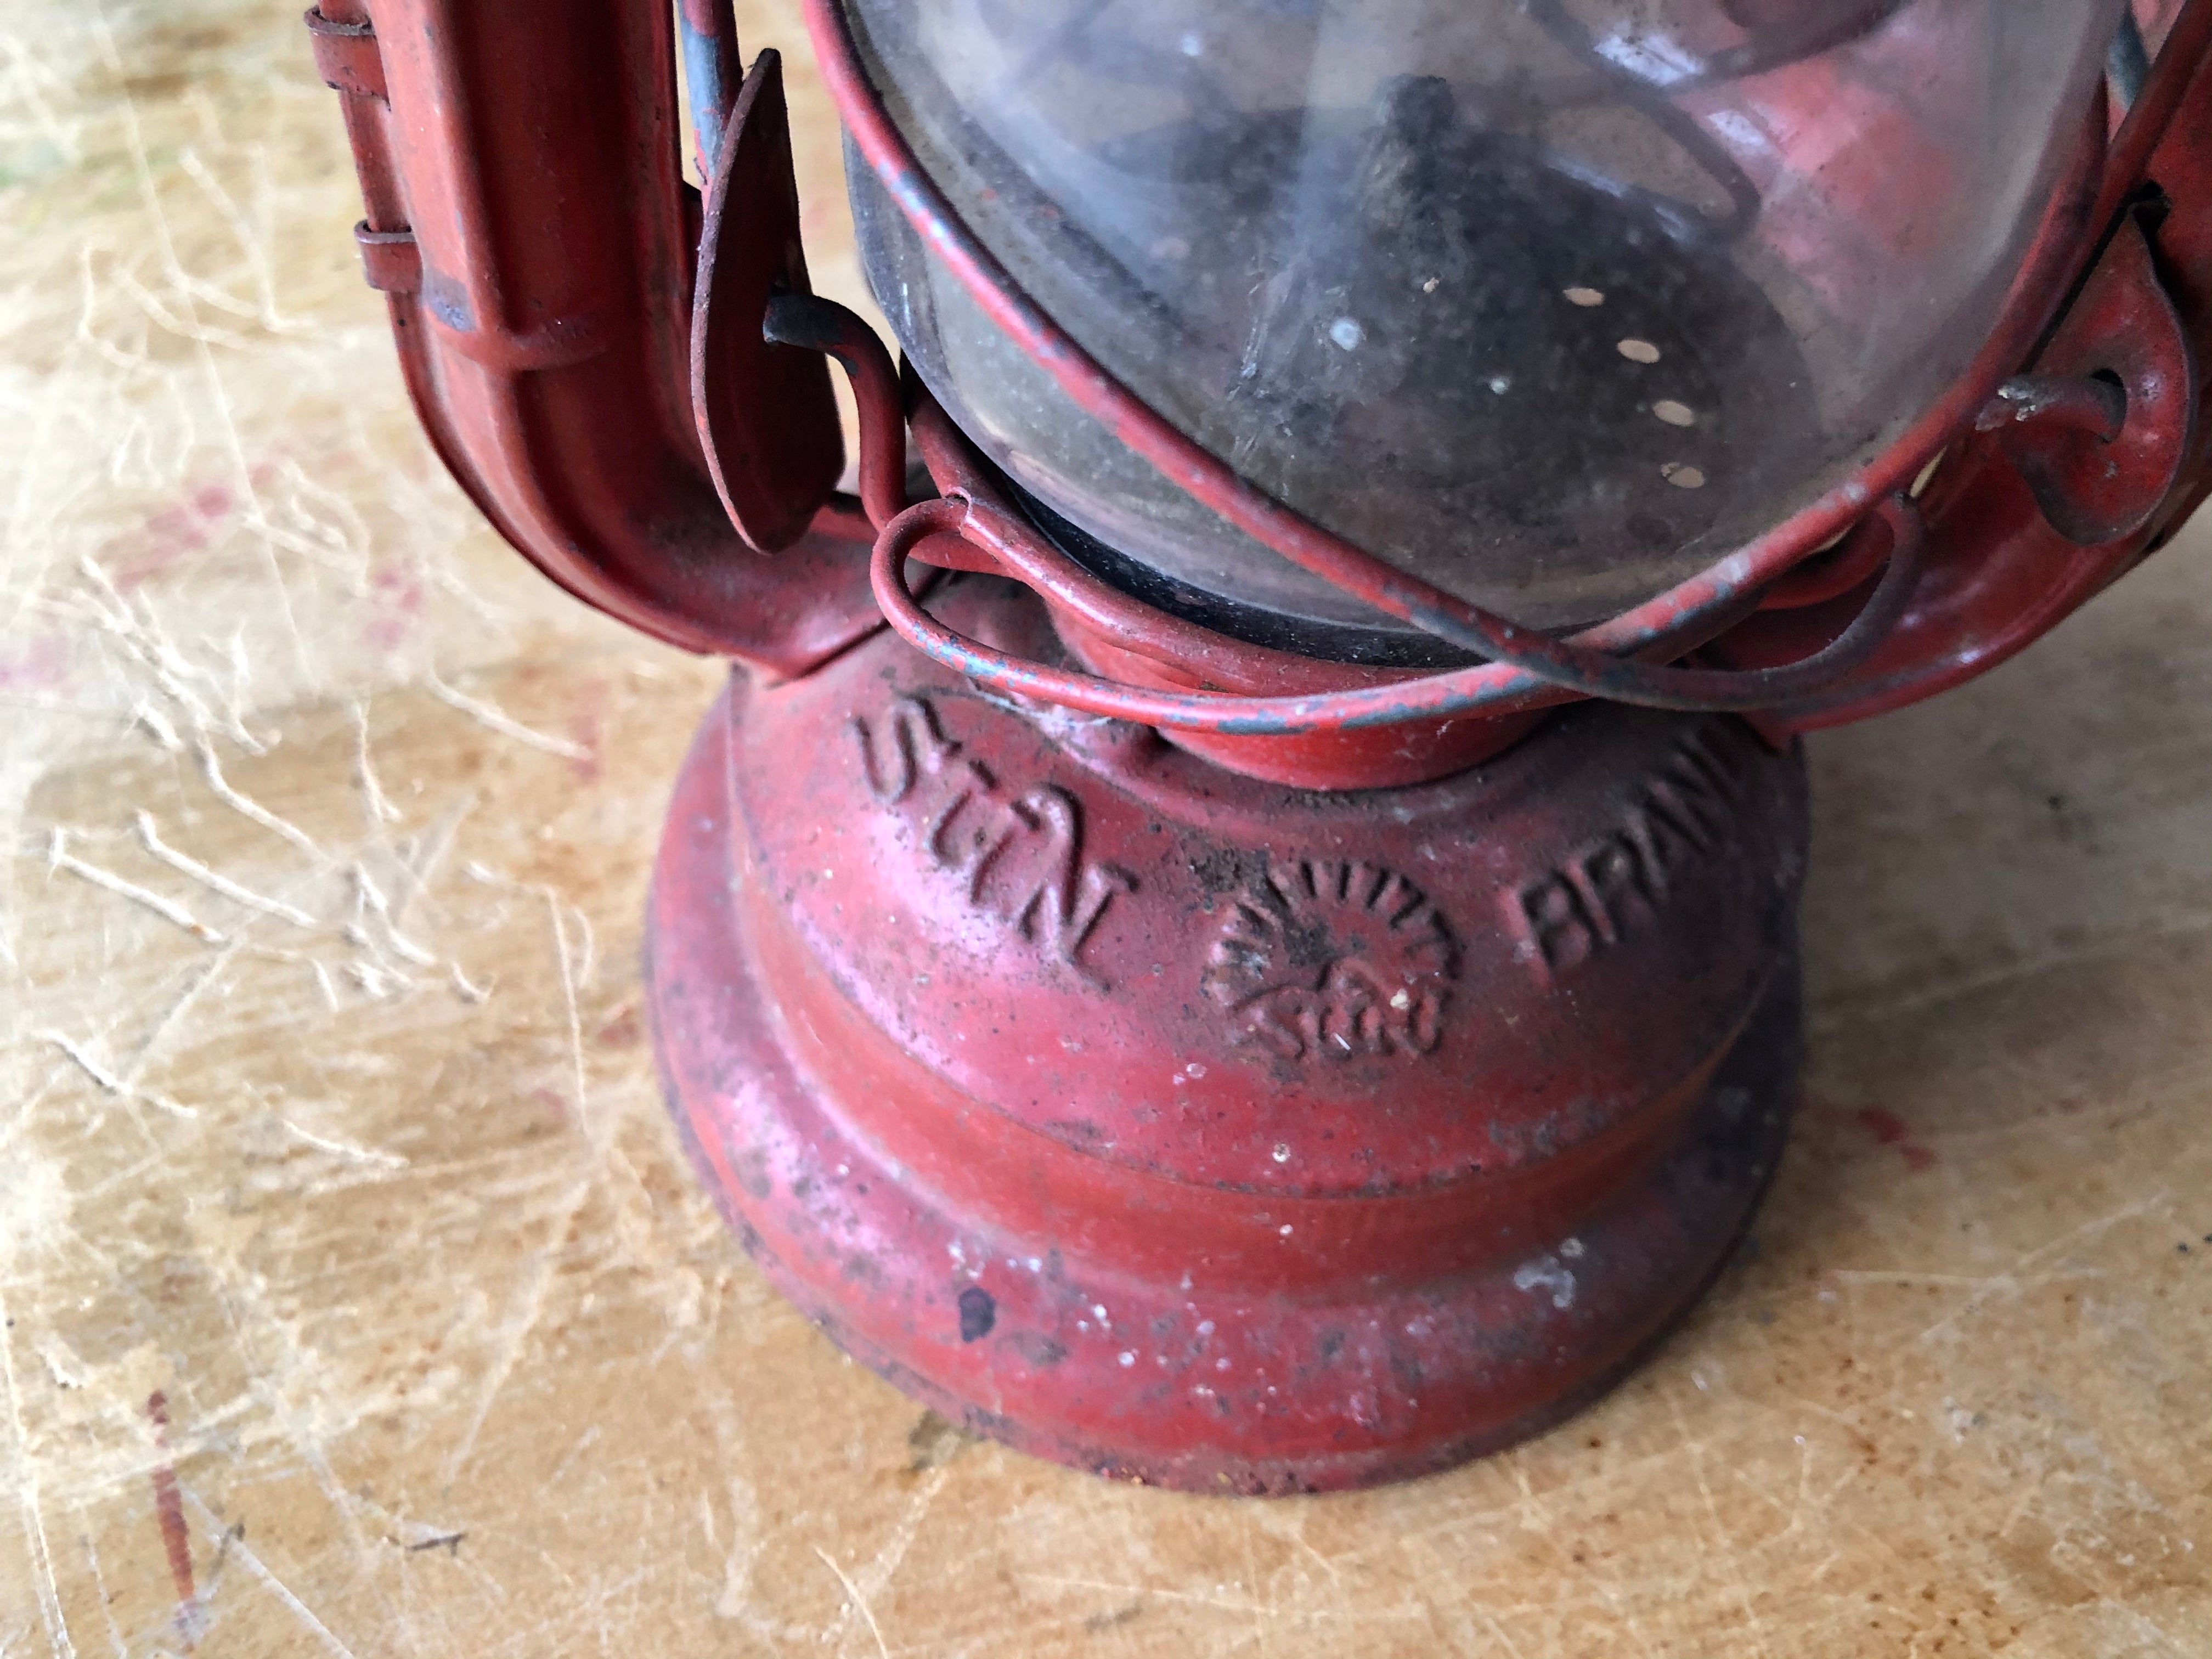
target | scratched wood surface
x=354, y=1299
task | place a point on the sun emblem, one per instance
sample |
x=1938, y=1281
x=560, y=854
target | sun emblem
x=1325, y=957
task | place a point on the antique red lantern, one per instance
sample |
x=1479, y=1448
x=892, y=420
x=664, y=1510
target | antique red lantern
x=1278, y=972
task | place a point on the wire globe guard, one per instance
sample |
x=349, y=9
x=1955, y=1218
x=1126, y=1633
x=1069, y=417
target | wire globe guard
x=1203, y=1131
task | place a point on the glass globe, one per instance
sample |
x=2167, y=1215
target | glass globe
x=1552, y=302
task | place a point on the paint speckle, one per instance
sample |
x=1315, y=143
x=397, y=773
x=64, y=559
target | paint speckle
x=1501, y=383
x=1282, y=1152
x=1346, y=333
x=1683, y=476
x=978, y=1313
x=1127, y=1357
x=1674, y=414
x=1286, y=1230
x=1585, y=296
x=1548, y=1272
x=1638, y=351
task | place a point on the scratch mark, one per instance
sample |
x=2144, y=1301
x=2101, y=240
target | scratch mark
x=235, y=1544
x=881, y=1570
x=1498, y=1630
x=107, y=1599
x=1219, y=1603
x=555, y=904
x=58, y=857
x=345, y=1150
x=853, y=1596
x=149, y=837
x=211, y=768
x=176, y=1011
x=375, y=801
x=2010, y=1279
x=369, y=895
x=1726, y=1550
x=504, y=723
x=420, y=863
x=1845, y=1012
x=112, y=1084
x=1260, y=1615
x=158, y=726
x=516, y=1331
x=584, y=1442
x=138, y=633
x=26, y=1495
x=176, y=1540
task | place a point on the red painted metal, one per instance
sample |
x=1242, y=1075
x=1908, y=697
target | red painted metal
x=547, y=348
x=766, y=421
x=1201, y=1131
x=2099, y=479
x=1359, y=1080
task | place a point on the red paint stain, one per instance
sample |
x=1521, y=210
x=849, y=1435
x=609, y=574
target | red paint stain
x=169, y=1510
x=40, y=664
x=1886, y=1127
x=395, y=594
x=182, y=527
x=1891, y=1130
x=584, y=731
x=622, y=1031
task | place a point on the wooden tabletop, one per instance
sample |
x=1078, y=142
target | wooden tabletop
x=358, y=1299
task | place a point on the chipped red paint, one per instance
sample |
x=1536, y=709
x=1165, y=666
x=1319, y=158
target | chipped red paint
x=1295, y=1144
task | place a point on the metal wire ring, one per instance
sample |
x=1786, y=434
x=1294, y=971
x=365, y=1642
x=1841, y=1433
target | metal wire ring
x=1461, y=691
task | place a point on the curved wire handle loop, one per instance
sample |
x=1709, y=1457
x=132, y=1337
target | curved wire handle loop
x=1572, y=666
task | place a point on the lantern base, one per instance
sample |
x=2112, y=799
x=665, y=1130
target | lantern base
x=1265, y=1172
